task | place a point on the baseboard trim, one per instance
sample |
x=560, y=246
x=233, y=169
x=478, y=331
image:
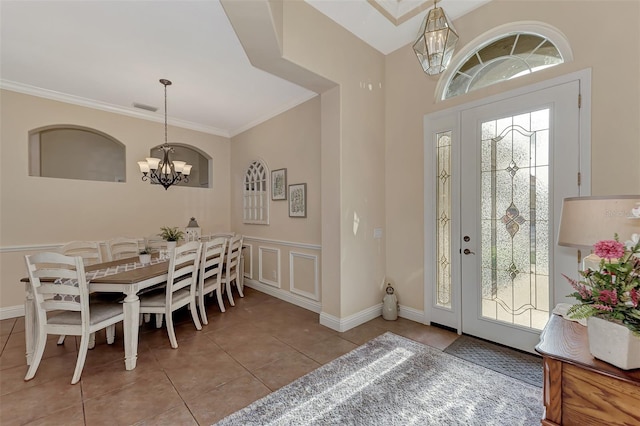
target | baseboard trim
x=11, y=312
x=347, y=323
x=411, y=314
x=303, y=302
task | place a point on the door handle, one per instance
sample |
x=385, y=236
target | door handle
x=467, y=251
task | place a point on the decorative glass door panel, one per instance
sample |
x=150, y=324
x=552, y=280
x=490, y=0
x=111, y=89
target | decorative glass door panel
x=515, y=219
x=519, y=159
x=443, y=219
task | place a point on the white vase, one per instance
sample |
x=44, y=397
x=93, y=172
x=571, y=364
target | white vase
x=171, y=246
x=613, y=343
x=145, y=258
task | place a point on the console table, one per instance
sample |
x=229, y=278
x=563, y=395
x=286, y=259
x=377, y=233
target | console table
x=579, y=389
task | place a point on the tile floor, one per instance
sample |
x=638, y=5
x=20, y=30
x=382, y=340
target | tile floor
x=254, y=348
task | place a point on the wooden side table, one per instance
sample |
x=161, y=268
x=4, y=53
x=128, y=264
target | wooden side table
x=579, y=389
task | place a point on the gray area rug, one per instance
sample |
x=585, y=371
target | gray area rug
x=392, y=380
x=519, y=365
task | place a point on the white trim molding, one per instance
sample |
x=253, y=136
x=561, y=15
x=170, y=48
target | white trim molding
x=11, y=312
x=316, y=284
x=284, y=243
x=303, y=302
x=261, y=278
x=347, y=323
x=31, y=247
x=250, y=247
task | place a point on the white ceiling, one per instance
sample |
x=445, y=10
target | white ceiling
x=110, y=54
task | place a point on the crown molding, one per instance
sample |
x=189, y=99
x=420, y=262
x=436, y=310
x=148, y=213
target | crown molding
x=103, y=106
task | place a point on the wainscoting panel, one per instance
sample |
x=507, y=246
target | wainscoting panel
x=298, y=264
x=303, y=275
x=269, y=266
x=247, y=253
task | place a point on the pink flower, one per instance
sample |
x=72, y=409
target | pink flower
x=609, y=249
x=585, y=293
x=635, y=296
x=603, y=308
x=609, y=296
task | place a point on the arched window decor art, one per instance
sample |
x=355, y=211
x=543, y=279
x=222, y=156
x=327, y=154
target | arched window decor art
x=493, y=58
x=75, y=152
x=256, y=194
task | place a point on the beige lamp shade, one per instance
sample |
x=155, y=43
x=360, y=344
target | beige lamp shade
x=587, y=220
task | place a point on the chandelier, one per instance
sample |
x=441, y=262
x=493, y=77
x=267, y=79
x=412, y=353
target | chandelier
x=163, y=171
x=436, y=41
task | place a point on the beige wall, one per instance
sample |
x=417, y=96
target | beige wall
x=613, y=56
x=37, y=212
x=318, y=44
x=289, y=141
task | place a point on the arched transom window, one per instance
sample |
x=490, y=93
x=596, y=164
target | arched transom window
x=256, y=194
x=504, y=57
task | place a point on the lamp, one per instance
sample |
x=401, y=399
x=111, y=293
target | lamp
x=586, y=220
x=436, y=41
x=164, y=171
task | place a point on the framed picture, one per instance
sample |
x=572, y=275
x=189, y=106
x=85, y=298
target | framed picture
x=298, y=200
x=279, y=184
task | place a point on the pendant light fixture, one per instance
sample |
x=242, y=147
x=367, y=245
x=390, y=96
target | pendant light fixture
x=436, y=41
x=163, y=171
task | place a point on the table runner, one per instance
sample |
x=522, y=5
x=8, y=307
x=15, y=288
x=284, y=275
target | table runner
x=112, y=270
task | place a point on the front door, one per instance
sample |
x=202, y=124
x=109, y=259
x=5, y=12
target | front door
x=497, y=171
x=520, y=158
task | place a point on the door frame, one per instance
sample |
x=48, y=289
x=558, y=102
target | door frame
x=450, y=119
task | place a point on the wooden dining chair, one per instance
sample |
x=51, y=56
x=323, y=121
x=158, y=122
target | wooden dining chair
x=180, y=288
x=232, y=267
x=62, y=306
x=210, y=276
x=121, y=247
x=89, y=251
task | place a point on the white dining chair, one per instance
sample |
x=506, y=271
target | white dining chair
x=89, y=251
x=122, y=247
x=62, y=306
x=210, y=276
x=91, y=254
x=155, y=243
x=232, y=267
x=180, y=288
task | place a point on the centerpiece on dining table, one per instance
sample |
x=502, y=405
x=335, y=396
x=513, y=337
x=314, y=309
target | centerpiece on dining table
x=609, y=297
x=171, y=235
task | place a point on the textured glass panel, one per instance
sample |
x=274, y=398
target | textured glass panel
x=542, y=148
x=527, y=43
x=500, y=70
x=469, y=66
x=503, y=151
x=489, y=130
x=521, y=150
x=515, y=238
x=457, y=86
x=497, y=49
x=443, y=219
x=540, y=120
x=502, y=60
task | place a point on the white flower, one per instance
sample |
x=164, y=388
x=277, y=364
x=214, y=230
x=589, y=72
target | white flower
x=630, y=244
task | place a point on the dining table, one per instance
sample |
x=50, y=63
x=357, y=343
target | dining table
x=127, y=276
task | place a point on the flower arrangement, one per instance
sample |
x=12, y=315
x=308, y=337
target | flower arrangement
x=171, y=233
x=613, y=291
